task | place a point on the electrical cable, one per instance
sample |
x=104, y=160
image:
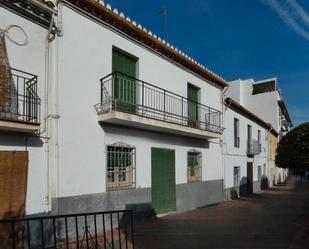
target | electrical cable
x=6, y=32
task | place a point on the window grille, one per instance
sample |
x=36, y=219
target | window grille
x=120, y=166
x=194, y=165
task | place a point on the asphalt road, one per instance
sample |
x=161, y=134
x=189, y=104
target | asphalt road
x=276, y=218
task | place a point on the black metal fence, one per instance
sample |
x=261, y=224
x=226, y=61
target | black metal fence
x=20, y=101
x=99, y=230
x=124, y=93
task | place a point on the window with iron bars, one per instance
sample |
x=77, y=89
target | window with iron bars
x=120, y=166
x=194, y=165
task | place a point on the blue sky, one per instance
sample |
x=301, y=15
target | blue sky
x=239, y=39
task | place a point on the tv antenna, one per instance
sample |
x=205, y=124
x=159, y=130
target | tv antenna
x=164, y=12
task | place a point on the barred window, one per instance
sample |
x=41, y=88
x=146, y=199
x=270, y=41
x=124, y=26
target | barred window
x=120, y=166
x=194, y=165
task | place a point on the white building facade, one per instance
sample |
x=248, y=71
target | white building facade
x=101, y=114
x=126, y=120
x=245, y=151
x=26, y=148
x=264, y=99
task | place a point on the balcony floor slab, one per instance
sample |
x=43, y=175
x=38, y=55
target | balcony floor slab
x=23, y=127
x=146, y=123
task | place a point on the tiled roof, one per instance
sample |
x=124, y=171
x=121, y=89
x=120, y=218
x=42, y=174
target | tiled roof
x=118, y=20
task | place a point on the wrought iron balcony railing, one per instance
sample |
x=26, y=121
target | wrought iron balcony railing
x=127, y=94
x=19, y=100
x=253, y=147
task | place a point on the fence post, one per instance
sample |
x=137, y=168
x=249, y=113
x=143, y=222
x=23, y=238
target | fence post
x=132, y=229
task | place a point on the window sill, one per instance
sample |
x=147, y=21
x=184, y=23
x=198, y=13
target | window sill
x=120, y=188
x=192, y=181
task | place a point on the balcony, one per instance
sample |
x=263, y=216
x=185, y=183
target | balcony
x=135, y=103
x=19, y=102
x=253, y=147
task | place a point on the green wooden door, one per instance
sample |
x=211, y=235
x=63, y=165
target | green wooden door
x=163, y=186
x=124, y=86
x=192, y=105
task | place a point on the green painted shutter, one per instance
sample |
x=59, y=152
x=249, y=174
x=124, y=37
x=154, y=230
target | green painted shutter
x=124, y=87
x=192, y=106
x=163, y=185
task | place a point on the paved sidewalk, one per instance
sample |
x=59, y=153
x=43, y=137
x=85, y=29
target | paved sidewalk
x=277, y=218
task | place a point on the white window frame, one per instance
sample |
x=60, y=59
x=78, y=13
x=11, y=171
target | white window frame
x=194, y=165
x=236, y=183
x=259, y=173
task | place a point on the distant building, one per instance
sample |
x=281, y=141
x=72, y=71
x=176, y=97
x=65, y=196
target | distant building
x=264, y=98
x=245, y=151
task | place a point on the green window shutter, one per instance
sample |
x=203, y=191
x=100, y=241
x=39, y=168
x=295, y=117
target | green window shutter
x=124, y=64
x=124, y=86
x=192, y=106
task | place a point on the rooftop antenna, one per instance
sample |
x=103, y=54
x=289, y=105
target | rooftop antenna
x=164, y=12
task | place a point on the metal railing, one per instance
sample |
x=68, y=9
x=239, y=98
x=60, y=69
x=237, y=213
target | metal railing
x=100, y=230
x=253, y=147
x=19, y=100
x=127, y=94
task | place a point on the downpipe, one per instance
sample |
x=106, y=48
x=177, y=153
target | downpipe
x=50, y=129
x=222, y=143
x=47, y=116
x=51, y=116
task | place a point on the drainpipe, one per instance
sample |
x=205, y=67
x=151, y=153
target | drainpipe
x=222, y=143
x=56, y=118
x=46, y=114
x=269, y=148
x=51, y=128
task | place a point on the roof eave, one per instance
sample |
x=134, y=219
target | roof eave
x=108, y=16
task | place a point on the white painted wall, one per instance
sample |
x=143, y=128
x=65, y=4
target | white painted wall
x=264, y=105
x=85, y=56
x=145, y=140
x=233, y=156
x=30, y=58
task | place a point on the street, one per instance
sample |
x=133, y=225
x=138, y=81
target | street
x=277, y=218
